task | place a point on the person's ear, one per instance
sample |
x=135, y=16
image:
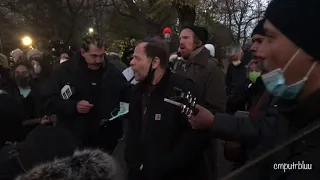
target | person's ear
x=155, y=63
x=82, y=52
x=198, y=43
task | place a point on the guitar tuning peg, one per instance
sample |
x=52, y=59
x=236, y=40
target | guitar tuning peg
x=193, y=103
x=182, y=95
x=183, y=108
x=188, y=95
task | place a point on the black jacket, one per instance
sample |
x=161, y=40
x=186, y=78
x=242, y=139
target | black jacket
x=43, y=144
x=103, y=88
x=163, y=142
x=279, y=122
x=246, y=95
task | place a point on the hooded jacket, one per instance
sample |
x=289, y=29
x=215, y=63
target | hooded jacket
x=83, y=165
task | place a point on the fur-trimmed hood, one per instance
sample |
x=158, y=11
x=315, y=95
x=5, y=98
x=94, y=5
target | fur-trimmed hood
x=83, y=165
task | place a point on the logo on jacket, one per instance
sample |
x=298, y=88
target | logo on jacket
x=157, y=117
x=66, y=92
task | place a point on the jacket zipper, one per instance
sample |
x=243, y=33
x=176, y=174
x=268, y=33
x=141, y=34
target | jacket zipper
x=144, y=121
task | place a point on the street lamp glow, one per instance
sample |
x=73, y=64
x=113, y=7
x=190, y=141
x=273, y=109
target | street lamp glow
x=27, y=41
x=91, y=30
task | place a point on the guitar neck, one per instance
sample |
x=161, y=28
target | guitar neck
x=31, y=122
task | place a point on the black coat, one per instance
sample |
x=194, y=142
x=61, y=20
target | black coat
x=103, y=88
x=246, y=96
x=282, y=120
x=168, y=148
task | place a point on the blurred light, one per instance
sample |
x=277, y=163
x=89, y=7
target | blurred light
x=91, y=30
x=27, y=41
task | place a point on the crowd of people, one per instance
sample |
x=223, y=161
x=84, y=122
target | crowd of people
x=170, y=108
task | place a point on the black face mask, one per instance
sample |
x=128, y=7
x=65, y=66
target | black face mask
x=149, y=78
x=22, y=81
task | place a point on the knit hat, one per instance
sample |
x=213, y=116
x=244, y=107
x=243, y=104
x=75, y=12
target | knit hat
x=200, y=32
x=16, y=53
x=4, y=61
x=33, y=52
x=166, y=30
x=259, y=28
x=296, y=19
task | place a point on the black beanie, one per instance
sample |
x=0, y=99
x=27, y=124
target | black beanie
x=200, y=32
x=259, y=28
x=297, y=20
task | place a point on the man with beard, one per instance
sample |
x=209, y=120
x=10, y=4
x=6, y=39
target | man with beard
x=206, y=71
x=160, y=144
x=84, y=91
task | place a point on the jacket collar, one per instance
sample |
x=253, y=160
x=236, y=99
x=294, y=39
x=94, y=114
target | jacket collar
x=200, y=56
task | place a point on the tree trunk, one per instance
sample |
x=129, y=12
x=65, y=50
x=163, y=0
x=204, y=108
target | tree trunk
x=1, y=47
x=187, y=15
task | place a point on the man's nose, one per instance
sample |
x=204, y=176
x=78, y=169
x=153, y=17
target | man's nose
x=99, y=60
x=253, y=47
x=132, y=62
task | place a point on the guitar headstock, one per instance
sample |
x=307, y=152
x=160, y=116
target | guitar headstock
x=186, y=101
x=189, y=102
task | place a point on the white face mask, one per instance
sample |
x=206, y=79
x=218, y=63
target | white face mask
x=167, y=36
x=236, y=63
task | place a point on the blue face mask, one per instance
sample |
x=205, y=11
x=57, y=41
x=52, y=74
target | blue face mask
x=25, y=92
x=275, y=81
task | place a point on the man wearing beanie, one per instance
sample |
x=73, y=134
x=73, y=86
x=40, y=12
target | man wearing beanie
x=247, y=95
x=201, y=67
x=291, y=57
x=206, y=71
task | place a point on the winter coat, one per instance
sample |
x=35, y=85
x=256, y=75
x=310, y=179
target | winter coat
x=207, y=73
x=104, y=88
x=281, y=120
x=161, y=144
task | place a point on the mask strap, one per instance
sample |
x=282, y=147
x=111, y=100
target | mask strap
x=290, y=61
x=308, y=74
x=311, y=69
x=114, y=111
